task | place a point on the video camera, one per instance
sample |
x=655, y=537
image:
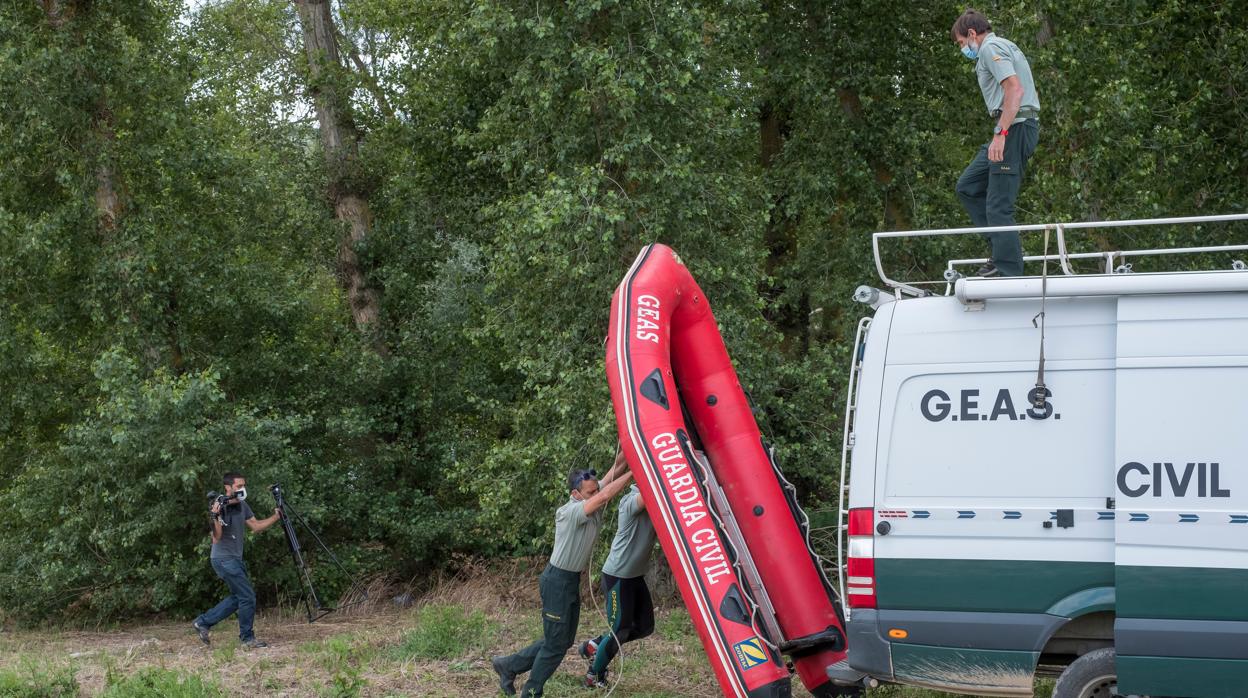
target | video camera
x=225, y=500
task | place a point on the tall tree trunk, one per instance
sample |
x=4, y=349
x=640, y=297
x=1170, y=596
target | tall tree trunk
x=895, y=217
x=1047, y=30
x=780, y=233
x=54, y=10
x=108, y=186
x=111, y=198
x=340, y=139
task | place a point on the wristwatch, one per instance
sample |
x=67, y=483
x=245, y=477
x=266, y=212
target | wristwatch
x=998, y=131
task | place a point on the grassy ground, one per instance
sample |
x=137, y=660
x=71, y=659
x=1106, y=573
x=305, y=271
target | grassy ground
x=440, y=647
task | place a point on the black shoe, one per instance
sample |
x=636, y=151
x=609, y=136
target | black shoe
x=506, y=678
x=254, y=644
x=593, y=680
x=988, y=270
x=588, y=649
x=203, y=632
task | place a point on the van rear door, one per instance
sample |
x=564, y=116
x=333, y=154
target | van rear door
x=1181, y=474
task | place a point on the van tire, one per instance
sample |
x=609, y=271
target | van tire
x=1094, y=675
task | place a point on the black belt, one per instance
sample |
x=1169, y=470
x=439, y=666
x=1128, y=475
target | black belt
x=1022, y=114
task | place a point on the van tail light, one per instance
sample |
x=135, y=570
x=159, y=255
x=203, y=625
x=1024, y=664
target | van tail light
x=860, y=571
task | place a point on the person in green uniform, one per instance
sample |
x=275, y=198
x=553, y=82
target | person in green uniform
x=630, y=611
x=989, y=185
x=577, y=524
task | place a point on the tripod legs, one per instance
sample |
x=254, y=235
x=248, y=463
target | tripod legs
x=310, y=599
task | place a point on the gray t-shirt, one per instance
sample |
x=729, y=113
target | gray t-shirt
x=999, y=59
x=574, y=536
x=231, y=543
x=634, y=539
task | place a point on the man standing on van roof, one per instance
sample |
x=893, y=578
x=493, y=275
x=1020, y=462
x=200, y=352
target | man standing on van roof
x=989, y=185
x=577, y=523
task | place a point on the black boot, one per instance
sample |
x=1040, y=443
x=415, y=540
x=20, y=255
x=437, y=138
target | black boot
x=506, y=677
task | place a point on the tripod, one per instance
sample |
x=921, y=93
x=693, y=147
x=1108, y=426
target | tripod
x=307, y=590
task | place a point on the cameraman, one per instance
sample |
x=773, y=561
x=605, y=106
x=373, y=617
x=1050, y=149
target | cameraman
x=229, y=513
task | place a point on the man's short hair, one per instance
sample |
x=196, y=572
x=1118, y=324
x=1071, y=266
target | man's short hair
x=230, y=477
x=971, y=19
x=579, y=475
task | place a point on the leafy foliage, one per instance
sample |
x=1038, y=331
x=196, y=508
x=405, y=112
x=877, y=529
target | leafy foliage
x=170, y=306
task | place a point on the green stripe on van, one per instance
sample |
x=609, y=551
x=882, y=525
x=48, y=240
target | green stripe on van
x=1170, y=676
x=1006, y=586
x=1192, y=593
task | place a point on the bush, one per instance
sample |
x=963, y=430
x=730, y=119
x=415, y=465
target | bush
x=446, y=632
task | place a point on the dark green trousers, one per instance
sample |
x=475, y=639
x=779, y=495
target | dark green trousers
x=561, y=612
x=630, y=612
x=988, y=191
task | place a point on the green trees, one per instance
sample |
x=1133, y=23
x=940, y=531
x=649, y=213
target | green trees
x=366, y=247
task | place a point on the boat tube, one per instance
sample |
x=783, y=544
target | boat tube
x=674, y=390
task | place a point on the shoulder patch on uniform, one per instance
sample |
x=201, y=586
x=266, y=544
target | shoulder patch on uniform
x=996, y=57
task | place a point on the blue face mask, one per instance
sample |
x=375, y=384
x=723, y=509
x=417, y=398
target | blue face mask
x=970, y=51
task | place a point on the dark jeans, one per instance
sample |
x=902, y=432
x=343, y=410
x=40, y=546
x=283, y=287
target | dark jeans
x=988, y=191
x=561, y=612
x=630, y=612
x=242, y=597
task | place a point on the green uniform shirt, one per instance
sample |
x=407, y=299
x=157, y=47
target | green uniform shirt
x=999, y=59
x=574, y=536
x=634, y=539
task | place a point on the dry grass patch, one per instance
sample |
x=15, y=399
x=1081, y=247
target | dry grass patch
x=438, y=647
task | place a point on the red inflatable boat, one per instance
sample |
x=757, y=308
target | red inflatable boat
x=730, y=533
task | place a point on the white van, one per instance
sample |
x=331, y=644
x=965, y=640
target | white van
x=1099, y=534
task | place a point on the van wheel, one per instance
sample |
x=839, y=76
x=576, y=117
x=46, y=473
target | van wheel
x=1091, y=676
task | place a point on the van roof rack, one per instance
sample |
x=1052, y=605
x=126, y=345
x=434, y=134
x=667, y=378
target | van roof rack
x=1115, y=263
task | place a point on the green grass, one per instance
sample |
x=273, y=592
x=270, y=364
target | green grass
x=225, y=653
x=446, y=632
x=38, y=682
x=156, y=682
x=675, y=625
x=343, y=657
x=344, y=662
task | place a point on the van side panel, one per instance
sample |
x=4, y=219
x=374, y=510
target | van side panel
x=1181, y=475
x=1206, y=678
x=971, y=478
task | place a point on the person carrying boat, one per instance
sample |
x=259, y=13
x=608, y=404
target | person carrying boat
x=630, y=610
x=577, y=524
